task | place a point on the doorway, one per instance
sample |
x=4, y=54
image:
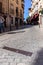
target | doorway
x=16, y=22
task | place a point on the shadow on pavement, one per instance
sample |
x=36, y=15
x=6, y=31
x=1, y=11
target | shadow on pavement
x=26, y=26
x=20, y=28
x=23, y=27
x=39, y=58
x=15, y=32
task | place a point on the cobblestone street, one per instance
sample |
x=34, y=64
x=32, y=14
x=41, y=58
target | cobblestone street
x=29, y=40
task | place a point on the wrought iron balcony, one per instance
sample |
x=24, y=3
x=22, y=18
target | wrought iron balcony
x=23, y=6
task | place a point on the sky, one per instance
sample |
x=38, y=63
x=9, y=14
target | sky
x=27, y=5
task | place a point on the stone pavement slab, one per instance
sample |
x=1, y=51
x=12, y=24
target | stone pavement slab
x=31, y=40
x=11, y=58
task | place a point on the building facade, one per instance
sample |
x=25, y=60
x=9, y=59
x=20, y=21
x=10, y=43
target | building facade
x=36, y=6
x=15, y=8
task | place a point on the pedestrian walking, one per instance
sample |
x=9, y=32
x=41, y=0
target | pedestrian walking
x=39, y=25
x=1, y=23
x=4, y=16
x=16, y=24
x=39, y=20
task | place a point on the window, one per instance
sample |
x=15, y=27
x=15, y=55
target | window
x=22, y=6
x=11, y=8
x=16, y=11
x=20, y=13
x=17, y=1
x=22, y=0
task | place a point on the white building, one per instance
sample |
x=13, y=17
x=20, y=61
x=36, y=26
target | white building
x=37, y=5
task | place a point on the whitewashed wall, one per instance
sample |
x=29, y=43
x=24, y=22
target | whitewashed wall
x=41, y=21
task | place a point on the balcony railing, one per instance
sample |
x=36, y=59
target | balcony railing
x=22, y=5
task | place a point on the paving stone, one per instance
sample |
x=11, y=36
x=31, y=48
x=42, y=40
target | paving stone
x=31, y=40
x=21, y=64
x=4, y=63
x=13, y=63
